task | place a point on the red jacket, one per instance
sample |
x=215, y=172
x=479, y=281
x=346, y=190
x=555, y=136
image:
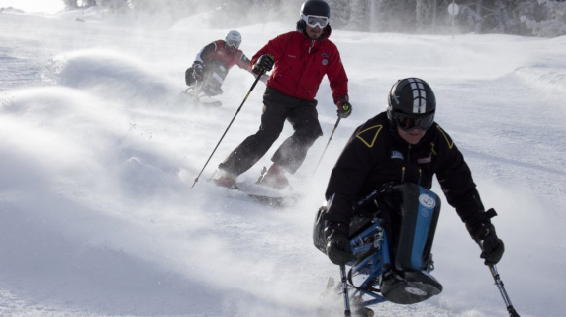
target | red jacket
x=301, y=63
x=217, y=51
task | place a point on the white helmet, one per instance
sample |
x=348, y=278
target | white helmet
x=233, y=38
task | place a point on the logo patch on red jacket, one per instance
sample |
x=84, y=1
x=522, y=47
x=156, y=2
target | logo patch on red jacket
x=327, y=55
x=325, y=62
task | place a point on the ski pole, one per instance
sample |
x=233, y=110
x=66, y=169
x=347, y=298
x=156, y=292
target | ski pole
x=203, y=82
x=499, y=283
x=196, y=100
x=347, y=312
x=333, y=129
x=198, y=89
x=228, y=128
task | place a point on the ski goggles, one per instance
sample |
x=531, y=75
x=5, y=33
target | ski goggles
x=315, y=20
x=409, y=122
x=233, y=43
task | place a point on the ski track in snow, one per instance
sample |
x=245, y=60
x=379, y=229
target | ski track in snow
x=99, y=153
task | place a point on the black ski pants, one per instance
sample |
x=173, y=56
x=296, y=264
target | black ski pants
x=302, y=115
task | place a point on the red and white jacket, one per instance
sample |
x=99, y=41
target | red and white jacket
x=301, y=63
x=218, y=50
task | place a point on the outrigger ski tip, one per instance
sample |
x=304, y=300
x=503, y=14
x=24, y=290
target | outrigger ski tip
x=332, y=293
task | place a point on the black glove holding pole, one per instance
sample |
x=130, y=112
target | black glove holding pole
x=344, y=107
x=263, y=64
x=338, y=245
x=483, y=232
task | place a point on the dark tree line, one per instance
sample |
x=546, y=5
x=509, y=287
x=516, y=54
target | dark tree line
x=74, y=4
x=522, y=17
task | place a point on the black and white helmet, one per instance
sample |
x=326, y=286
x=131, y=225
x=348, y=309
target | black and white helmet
x=411, y=104
x=233, y=39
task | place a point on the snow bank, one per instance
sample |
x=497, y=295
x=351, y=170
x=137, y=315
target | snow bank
x=108, y=74
x=543, y=76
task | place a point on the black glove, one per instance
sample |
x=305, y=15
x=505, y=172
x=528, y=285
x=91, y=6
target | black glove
x=493, y=248
x=483, y=232
x=338, y=245
x=263, y=64
x=344, y=107
x=197, y=70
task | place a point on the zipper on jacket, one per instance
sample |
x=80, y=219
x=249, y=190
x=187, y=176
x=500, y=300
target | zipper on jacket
x=420, y=176
x=403, y=174
x=312, y=45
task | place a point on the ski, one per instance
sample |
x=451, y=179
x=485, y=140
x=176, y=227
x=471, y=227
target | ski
x=275, y=201
x=213, y=103
x=265, y=196
x=197, y=101
x=268, y=196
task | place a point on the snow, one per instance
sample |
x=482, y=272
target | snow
x=99, y=153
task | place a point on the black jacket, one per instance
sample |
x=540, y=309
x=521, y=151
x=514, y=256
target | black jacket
x=376, y=155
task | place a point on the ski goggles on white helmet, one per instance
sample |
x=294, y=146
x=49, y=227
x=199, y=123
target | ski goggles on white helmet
x=315, y=20
x=233, y=43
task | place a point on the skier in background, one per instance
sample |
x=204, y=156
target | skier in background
x=404, y=145
x=300, y=59
x=213, y=62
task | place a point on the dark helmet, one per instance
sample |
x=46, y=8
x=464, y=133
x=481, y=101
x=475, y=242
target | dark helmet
x=411, y=104
x=316, y=7
x=313, y=7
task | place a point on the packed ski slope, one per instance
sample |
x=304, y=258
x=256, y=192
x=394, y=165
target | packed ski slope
x=98, y=155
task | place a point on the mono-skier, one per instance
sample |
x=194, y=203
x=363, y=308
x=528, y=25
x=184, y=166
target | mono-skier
x=212, y=64
x=300, y=59
x=403, y=145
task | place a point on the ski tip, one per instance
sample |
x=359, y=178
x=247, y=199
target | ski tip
x=263, y=171
x=275, y=201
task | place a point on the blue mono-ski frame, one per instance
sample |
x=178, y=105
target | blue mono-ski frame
x=372, y=258
x=374, y=265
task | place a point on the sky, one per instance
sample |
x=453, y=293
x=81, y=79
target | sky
x=100, y=150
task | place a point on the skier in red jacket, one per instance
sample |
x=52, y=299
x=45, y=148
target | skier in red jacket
x=213, y=62
x=299, y=60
